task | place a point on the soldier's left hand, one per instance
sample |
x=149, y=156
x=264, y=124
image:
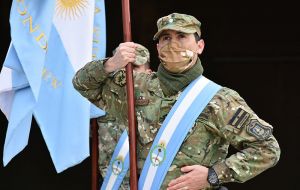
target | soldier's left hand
x=195, y=177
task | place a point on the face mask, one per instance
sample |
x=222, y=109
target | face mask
x=176, y=59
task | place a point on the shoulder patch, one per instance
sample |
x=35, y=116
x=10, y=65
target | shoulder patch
x=258, y=130
x=239, y=118
x=120, y=78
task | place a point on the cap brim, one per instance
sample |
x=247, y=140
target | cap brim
x=176, y=28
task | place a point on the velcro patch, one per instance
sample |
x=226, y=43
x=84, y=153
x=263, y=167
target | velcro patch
x=239, y=118
x=258, y=130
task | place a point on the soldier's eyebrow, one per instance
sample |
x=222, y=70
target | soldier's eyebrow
x=164, y=33
x=180, y=33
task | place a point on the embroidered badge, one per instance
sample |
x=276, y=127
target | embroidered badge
x=239, y=118
x=117, y=166
x=158, y=155
x=120, y=78
x=258, y=130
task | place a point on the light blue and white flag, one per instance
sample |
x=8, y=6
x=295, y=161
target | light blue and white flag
x=99, y=43
x=56, y=40
x=99, y=39
x=62, y=113
x=30, y=23
x=12, y=78
x=15, y=93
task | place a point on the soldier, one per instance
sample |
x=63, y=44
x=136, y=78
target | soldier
x=225, y=119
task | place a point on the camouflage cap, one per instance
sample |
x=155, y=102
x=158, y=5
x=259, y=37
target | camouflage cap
x=179, y=22
x=142, y=55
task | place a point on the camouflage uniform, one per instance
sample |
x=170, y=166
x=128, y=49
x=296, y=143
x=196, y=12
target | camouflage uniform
x=226, y=120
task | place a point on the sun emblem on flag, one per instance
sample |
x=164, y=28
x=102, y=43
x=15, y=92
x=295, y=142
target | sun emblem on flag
x=70, y=8
x=117, y=166
x=158, y=154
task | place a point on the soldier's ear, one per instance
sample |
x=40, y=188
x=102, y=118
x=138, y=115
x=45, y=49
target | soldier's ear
x=200, y=45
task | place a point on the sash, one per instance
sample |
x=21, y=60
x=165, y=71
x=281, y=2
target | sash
x=174, y=129
x=170, y=136
x=119, y=165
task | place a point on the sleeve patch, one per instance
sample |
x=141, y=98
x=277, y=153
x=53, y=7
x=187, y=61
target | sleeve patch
x=239, y=118
x=258, y=130
x=120, y=78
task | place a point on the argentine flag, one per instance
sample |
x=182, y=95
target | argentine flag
x=20, y=75
x=56, y=40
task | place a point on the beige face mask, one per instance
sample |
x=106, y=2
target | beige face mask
x=175, y=58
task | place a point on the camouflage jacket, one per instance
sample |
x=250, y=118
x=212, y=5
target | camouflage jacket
x=226, y=120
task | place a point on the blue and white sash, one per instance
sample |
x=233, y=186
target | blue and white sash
x=118, y=166
x=174, y=129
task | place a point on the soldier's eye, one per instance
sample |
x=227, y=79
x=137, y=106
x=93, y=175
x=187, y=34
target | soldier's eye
x=181, y=36
x=165, y=38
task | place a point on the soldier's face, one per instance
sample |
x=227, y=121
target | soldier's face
x=185, y=40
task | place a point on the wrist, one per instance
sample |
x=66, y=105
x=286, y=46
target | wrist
x=108, y=66
x=212, y=178
x=224, y=173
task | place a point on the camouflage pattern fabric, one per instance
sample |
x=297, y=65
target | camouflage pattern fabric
x=226, y=120
x=142, y=55
x=178, y=22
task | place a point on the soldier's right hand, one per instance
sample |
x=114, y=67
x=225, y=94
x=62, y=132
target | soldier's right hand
x=124, y=54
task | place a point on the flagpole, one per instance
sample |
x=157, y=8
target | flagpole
x=94, y=157
x=130, y=99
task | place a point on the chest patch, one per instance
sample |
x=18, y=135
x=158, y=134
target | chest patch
x=141, y=101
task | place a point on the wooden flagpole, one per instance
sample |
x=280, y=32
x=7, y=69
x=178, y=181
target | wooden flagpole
x=130, y=99
x=131, y=114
